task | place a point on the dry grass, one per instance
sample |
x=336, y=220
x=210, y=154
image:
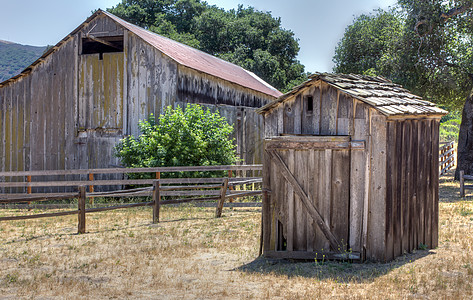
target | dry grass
x=190, y=254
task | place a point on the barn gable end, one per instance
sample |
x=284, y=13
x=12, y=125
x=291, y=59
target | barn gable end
x=70, y=107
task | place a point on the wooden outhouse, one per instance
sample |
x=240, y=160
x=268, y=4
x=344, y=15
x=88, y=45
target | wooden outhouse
x=350, y=170
x=70, y=107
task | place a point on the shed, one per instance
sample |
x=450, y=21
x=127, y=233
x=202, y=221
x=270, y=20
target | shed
x=71, y=106
x=350, y=170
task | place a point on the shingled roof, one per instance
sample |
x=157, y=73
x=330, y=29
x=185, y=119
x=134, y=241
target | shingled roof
x=388, y=98
x=181, y=54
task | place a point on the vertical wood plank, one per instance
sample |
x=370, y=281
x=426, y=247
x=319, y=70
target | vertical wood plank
x=290, y=209
x=362, y=123
x=377, y=205
x=266, y=211
x=289, y=117
x=413, y=194
x=435, y=183
x=428, y=183
x=279, y=203
x=397, y=197
x=340, y=196
x=297, y=107
x=345, y=115
x=328, y=121
x=410, y=187
x=421, y=182
x=405, y=182
x=300, y=172
x=124, y=113
x=281, y=120
x=317, y=109
x=327, y=192
x=357, y=177
x=390, y=186
x=312, y=168
x=320, y=199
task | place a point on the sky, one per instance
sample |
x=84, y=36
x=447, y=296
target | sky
x=318, y=24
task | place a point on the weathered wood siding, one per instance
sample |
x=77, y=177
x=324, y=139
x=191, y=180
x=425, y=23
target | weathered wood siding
x=333, y=113
x=292, y=228
x=392, y=186
x=151, y=82
x=236, y=103
x=38, y=116
x=73, y=108
x=412, y=186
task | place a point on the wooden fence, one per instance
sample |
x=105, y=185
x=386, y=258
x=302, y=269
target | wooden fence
x=446, y=157
x=463, y=186
x=192, y=189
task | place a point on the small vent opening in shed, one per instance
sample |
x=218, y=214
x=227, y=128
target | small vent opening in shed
x=101, y=45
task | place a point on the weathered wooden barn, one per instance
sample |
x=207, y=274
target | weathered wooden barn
x=70, y=107
x=351, y=166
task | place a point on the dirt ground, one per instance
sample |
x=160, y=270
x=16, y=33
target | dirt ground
x=192, y=255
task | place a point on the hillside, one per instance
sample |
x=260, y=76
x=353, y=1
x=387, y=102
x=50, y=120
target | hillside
x=14, y=58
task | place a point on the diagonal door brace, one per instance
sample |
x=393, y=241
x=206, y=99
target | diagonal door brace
x=306, y=201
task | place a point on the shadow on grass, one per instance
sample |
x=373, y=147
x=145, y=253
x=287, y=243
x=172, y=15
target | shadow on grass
x=342, y=272
x=449, y=189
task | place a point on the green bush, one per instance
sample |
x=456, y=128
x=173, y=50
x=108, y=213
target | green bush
x=190, y=137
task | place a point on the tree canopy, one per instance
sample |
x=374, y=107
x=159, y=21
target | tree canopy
x=247, y=37
x=422, y=45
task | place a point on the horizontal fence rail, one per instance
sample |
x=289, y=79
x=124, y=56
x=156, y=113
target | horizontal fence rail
x=134, y=170
x=185, y=189
x=446, y=157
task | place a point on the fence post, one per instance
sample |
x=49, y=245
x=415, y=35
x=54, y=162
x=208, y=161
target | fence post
x=82, y=198
x=91, y=188
x=156, y=201
x=221, y=200
x=28, y=189
x=230, y=175
x=462, y=184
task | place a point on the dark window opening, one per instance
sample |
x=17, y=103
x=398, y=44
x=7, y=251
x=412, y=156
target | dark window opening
x=101, y=45
x=310, y=104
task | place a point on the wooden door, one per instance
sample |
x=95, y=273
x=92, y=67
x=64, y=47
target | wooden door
x=307, y=210
x=100, y=108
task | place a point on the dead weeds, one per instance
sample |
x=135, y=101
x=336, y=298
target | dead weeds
x=190, y=254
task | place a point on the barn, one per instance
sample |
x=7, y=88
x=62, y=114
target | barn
x=71, y=106
x=350, y=170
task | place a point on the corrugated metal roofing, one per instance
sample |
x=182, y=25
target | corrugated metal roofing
x=198, y=60
x=388, y=98
x=182, y=54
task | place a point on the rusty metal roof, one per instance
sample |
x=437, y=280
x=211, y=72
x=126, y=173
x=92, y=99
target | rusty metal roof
x=388, y=98
x=182, y=54
x=200, y=61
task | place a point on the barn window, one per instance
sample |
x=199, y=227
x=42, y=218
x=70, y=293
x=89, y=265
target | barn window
x=101, y=45
x=310, y=104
